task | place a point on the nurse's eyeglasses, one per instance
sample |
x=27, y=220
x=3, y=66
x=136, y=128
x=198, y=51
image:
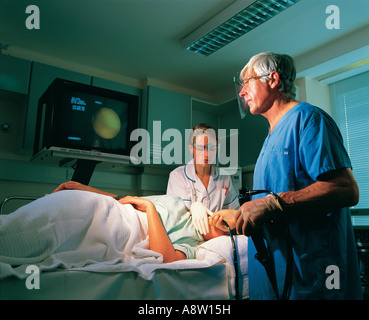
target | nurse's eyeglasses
x=200, y=147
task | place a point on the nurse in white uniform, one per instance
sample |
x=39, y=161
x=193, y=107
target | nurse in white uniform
x=199, y=180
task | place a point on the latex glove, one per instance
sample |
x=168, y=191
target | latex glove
x=200, y=217
x=254, y=214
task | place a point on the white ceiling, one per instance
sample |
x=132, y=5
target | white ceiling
x=138, y=42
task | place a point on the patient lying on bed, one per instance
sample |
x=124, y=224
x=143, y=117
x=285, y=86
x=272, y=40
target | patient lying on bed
x=72, y=228
x=163, y=240
x=160, y=239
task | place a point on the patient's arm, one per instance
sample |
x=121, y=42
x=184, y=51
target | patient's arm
x=73, y=185
x=158, y=238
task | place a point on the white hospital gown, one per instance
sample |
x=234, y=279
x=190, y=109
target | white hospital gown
x=178, y=224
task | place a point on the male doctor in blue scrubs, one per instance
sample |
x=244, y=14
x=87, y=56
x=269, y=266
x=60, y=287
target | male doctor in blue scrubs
x=304, y=163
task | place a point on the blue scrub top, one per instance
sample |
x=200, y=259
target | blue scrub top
x=304, y=144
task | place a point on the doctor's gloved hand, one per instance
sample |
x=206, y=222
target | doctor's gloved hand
x=200, y=217
x=254, y=214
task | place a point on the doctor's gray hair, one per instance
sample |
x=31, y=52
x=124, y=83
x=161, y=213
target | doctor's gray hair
x=200, y=129
x=267, y=62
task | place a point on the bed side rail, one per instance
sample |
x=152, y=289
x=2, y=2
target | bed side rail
x=7, y=199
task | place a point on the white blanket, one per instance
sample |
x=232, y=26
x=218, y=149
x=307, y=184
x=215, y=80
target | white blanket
x=80, y=230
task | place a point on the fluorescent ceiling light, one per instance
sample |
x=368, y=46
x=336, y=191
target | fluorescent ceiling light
x=233, y=22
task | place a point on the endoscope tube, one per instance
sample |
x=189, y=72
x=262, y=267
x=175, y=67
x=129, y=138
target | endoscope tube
x=235, y=261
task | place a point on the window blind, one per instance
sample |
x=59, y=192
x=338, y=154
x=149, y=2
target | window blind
x=350, y=108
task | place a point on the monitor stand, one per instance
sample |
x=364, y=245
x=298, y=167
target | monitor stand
x=83, y=170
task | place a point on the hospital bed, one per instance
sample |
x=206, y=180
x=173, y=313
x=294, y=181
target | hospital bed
x=211, y=276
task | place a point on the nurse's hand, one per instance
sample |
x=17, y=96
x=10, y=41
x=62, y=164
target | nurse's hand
x=200, y=217
x=254, y=214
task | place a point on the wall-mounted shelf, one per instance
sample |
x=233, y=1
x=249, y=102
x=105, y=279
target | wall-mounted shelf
x=84, y=162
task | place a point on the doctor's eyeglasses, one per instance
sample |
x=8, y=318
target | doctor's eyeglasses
x=245, y=82
x=248, y=79
x=209, y=147
x=240, y=84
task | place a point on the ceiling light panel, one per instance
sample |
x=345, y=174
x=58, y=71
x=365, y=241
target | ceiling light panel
x=235, y=26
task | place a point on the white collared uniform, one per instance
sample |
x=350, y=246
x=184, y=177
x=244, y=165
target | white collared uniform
x=220, y=194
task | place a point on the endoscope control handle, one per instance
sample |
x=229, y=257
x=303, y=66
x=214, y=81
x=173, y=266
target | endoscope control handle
x=243, y=195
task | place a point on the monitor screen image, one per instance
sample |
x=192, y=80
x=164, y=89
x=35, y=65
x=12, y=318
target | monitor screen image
x=78, y=117
x=95, y=122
